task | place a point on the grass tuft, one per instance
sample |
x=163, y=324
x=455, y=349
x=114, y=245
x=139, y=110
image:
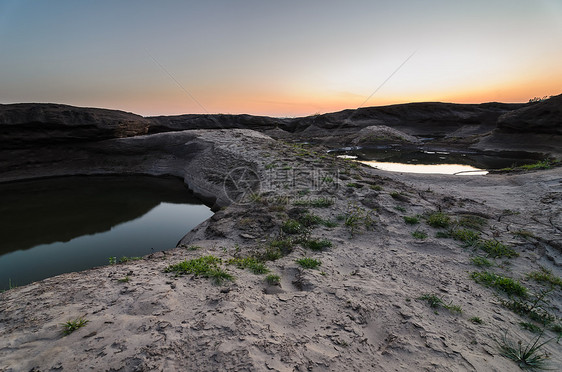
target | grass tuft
x=253, y=264
x=73, y=325
x=545, y=276
x=435, y=302
x=419, y=234
x=527, y=356
x=317, y=244
x=205, y=266
x=481, y=262
x=273, y=279
x=438, y=219
x=497, y=249
x=413, y=220
x=505, y=284
x=308, y=263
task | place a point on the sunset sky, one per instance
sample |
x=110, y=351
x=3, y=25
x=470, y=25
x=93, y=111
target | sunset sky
x=277, y=58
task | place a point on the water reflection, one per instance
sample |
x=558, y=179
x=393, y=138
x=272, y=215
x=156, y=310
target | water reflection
x=68, y=224
x=456, y=169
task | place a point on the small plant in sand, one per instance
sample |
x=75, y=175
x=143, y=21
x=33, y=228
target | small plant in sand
x=354, y=185
x=73, y=325
x=438, y=219
x=468, y=237
x=316, y=244
x=283, y=245
x=308, y=262
x=471, y=222
x=421, y=235
x=497, y=249
x=250, y=263
x=481, y=262
x=376, y=187
x=476, y=320
x=528, y=356
x=502, y=283
x=399, y=196
x=273, y=279
x=126, y=279
x=530, y=327
x=292, y=227
x=356, y=218
x=205, y=266
x=315, y=202
x=435, y=302
x=411, y=220
x=525, y=234
x=545, y=276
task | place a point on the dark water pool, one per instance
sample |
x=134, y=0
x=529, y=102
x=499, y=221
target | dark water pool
x=416, y=160
x=59, y=225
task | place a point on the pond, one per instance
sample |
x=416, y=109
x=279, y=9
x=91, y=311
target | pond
x=416, y=160
x=59, y=225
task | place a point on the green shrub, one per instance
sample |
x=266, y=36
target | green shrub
x=419, y=234
x=468, y=237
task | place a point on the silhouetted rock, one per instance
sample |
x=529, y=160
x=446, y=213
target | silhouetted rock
x=28, y=124
x=543, y=117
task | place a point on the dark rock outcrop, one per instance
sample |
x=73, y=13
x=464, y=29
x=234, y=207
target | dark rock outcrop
x=543, y=117
x=31, y=124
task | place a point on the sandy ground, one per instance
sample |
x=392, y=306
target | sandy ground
x=359, y=311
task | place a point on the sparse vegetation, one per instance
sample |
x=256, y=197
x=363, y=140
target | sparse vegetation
x=273, y=279
x=126, y=279
x=251, y=263
x=205, y=266
x=525, y=234
x=399, y=196
x=317, y=244
x=476, y=320
x=527, y=356
x=376, y=187
x=543, y=164
x=411, y=220
x=317, y=203
x=308, y=263
x=471, y=222
x=354, y=185
x=438, y=219
x=496, y=249
x=73, y=325
x=505, y=284
x=545, y=276
x=468, y=237
x=283, y=245
x=115, y=260
x=481, y=262
x=357, y=217
x=292, y=227
x=419, y=234
x=435, y=302
x=530, y=327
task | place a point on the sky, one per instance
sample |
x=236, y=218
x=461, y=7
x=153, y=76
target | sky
x=277, y=58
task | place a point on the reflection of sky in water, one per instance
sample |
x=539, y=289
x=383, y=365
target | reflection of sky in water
x=159, y=229
x=456, y=169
